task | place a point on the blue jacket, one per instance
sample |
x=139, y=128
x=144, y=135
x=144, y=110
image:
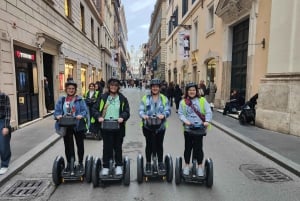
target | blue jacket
x=149, y=107
x=80, y=109
x=187, y=113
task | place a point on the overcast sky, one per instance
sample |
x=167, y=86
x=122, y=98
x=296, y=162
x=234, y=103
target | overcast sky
x=138, y=14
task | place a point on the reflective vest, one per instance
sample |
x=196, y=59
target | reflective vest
x=201, y=103
x=164, y=102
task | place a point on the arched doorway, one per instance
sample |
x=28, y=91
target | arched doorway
x=211, y=70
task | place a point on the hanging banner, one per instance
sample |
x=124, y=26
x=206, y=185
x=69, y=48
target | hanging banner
x=184, y=44
x=114, y=58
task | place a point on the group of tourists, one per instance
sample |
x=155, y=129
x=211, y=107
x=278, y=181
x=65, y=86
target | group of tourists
x=193, y=110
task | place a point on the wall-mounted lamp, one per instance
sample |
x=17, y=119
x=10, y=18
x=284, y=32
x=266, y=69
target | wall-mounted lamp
x=185, y=26
x=262, y=43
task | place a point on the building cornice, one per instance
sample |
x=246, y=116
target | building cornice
x=230, y=10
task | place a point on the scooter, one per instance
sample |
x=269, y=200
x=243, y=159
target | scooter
x=60, y=174
x=248, y=112
x=97, y=178
x=192, y=177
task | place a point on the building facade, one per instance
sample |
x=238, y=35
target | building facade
x=52, y=39
x=235, y=44
x=157, y=36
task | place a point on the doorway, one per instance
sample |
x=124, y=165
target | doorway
x=27, y=93
x=48, y=73
x=239, y=57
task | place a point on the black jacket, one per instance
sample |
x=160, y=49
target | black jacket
x=124, y=109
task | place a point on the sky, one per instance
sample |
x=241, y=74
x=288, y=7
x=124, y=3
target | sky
x=138, y=15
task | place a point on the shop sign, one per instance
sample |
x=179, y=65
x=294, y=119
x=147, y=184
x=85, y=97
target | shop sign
x=22, y=55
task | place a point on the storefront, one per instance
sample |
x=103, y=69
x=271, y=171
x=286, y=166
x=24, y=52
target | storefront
x=27, y=84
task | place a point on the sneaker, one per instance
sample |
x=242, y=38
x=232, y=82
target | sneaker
x=80, y=167
x=148, y=167
x=67, y=169
x=200, y=172
x=104, y=171
x=3, y=170
x=161, y=167
x=119, y=170
x=186, y=170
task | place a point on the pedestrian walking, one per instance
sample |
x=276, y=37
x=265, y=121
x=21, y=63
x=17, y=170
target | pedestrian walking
x=202, y=88
x=47, y=94
x=5, y=135
x=72, y=105
x=170, y=93
x=212, y=90
x=112, y=105
x=194, y=111
x=177, y=96
x=154, y=105
x=90, y=98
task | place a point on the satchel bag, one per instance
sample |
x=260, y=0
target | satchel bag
x=197, y=131
x=110, y=125
x=67, y=121
x=153, y=122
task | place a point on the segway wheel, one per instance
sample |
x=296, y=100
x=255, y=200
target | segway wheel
x=88, y=168
x=95, y=172
x=169, y=166
x=178, y=170
x=126, y=179
x=209, y=172
x=58, y=167
x=242, y=119
x=140, y=166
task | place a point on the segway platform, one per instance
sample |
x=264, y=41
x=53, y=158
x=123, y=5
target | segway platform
x=97, y=178
x=142, y=174
x=61, y=175
x=207, y=178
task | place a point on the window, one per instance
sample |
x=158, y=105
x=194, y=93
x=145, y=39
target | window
x=82, y=23
x=69, y=71
x=193, y=1
x=185, y=7
x=210, y=18
x=92, y=29
x=195, y=36
x=68, y=8
x=98, y=33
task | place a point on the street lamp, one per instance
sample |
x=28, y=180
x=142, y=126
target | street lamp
x=185, y=26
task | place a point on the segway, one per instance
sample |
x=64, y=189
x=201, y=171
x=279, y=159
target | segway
x=154, y=123
x=112, y=126
x=60, y=174
x=97, y=178
x=192, y=177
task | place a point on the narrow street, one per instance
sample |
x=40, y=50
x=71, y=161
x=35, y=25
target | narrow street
x=229, y=157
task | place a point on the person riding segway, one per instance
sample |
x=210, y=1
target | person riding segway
x=195, y=113
x=111, y=111
x=70, y=113
x=154, y=110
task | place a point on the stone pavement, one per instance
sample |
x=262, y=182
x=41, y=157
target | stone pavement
x=29, y=142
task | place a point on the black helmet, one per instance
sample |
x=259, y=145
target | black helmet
x=113, y=79
x=71, y=82
x=155, y=82
x=191, y=84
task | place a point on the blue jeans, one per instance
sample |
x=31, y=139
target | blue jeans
x=5, y=152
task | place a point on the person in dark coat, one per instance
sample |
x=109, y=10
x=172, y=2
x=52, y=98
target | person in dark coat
x=170, y=93
x=177, y=96
x=112, y=105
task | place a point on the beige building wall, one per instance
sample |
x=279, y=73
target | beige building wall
x=278, y=106
x=42, y=27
